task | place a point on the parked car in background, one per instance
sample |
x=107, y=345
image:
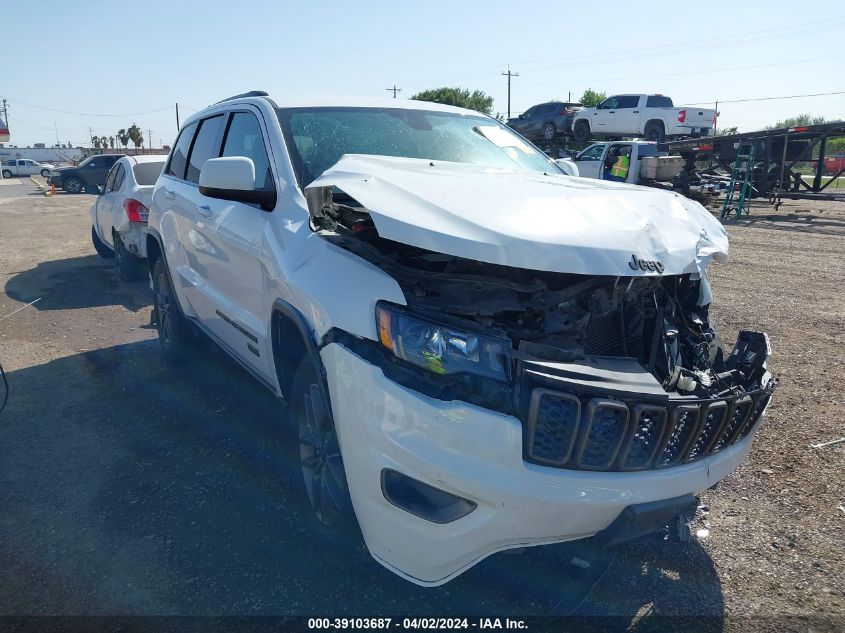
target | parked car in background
x=25, y=167
x=85, y=177
x=834, y=163
x=546, y=121
x=478, y=351
x=652, y=117
x=119, y=215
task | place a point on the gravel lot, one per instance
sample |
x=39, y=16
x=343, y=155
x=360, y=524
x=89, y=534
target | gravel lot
x=128, y=489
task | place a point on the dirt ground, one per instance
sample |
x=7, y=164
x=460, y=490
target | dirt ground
x=126, y=488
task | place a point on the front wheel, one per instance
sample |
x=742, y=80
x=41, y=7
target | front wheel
x=581, y=132
x=73, y=185
x=324, y=495
x=549, y=132
x=7, y=173
x=45, y=173
x=129, y=266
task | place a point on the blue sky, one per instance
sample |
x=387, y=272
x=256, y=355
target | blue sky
x=132, y=58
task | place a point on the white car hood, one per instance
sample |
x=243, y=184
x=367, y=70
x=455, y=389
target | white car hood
x=553, y=223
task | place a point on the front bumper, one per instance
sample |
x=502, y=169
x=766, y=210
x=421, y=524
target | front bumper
x=475, y=454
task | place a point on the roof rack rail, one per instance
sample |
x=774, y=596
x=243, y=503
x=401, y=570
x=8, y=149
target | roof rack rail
x=251, y=93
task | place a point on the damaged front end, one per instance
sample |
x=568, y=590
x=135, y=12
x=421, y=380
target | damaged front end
x=606, y=372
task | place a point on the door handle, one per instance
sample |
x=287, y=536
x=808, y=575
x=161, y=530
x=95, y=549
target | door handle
x=636, y=111
x=204, y=210
x=170, y=195
x=611, y=111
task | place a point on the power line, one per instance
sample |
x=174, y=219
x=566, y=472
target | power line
x=38, y=107
x=816, y=94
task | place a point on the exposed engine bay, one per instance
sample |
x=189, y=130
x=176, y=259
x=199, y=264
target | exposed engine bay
x=660, y=321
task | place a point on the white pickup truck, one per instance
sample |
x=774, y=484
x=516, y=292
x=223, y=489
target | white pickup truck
x=652, y=117
x=647, y=164
x=25, y=167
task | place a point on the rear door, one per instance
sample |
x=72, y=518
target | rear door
x=626, y=119
x=106, y=203
x=234, y=275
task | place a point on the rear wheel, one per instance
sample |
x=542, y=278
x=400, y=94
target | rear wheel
x=655, y=131
x=129, y=266
x=102, y=250
x=173, y=330
x=73, y=185
x=581, y=132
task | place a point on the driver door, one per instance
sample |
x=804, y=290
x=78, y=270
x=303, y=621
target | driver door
x=602, y=122
x=590, y=161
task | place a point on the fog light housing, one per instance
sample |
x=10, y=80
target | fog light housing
x=422, y=500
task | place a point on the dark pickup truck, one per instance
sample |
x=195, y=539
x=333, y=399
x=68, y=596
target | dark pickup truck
x=87, y=176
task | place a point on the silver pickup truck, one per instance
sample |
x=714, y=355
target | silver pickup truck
x=25, y=167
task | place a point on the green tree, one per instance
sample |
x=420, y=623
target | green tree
x=123, y=137
x=95, y=141
x=461, y=97
x=135, y=135
x=111, y=142
x=722, y=131
x=800, y=119
x=591, y=98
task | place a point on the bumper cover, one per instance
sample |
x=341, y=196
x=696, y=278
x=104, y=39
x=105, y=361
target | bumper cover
x=475, y=454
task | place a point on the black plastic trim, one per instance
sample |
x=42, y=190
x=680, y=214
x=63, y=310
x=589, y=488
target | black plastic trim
x=423, y=500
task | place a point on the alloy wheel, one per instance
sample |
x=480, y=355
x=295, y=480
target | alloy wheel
x=319, y=452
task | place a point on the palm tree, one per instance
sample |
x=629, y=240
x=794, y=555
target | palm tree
x=123, y=137
x=95, y=140
x=134, y=133
x=111, y=142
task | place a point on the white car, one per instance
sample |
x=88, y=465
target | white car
x=479, y=352
x=652, y=117
x=25, y=167
x=119, y=215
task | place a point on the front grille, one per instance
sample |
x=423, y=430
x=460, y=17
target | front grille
x=584, y=432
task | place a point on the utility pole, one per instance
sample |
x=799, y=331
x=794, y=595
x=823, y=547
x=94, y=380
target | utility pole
x=394, y=89
x=57, y=133
x=177, y=116
x=509, y=74
x=149, y=139
x=91, y=136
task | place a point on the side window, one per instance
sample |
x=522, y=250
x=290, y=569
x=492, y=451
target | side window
x=658, y=101
x=243, y=138
x=609, y=103
x=119, y=176
x=629, y=101
x=529, y=112
x=110, y=180
x=592, y=153
x=206, y=145
x=179, y=157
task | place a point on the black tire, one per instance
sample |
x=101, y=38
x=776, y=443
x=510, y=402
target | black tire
x=549, y=132
x=173, y=329
x=7, y=173
x=581, y=131
x=654, y=131
x=73, y=185
x=45, y=173
x=102, y=249
x=129, y=267
x=324, y=495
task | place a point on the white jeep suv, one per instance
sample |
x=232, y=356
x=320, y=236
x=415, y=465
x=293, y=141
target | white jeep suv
x=479, y=352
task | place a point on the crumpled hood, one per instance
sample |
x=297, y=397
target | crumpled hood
x=553, y=223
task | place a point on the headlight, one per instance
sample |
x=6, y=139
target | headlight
x=439, y=347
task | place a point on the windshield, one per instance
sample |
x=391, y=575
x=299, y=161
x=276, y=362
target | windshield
x=318, y=137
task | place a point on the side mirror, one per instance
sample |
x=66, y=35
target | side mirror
x=233, y=178
x=567, y=166
x=101, y=189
